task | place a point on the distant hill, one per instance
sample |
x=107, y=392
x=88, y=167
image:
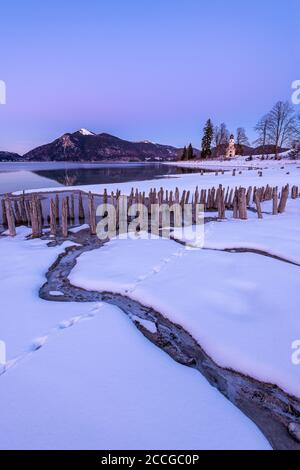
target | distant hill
x=9, y=157
x=85, y=146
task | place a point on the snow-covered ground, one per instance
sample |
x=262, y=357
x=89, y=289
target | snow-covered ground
x=239, y=162
x=241, y=307
x=101, y=384
x=82, y=376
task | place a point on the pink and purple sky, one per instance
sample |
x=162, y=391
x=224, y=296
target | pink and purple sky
x=145, y=69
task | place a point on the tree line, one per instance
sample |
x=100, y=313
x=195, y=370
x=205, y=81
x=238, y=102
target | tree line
x=279, y=128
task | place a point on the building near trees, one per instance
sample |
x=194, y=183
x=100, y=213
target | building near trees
x=230, y=151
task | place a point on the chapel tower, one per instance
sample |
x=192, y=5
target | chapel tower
x=230, y=151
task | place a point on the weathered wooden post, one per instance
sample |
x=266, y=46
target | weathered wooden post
x=28, y=212
x=40, y=212
x=283, y=199
x=105, y=196
x=112, y=199
x=294, y=193
x=64, y=217
x=4, y=218
x=248, y=196
x=220, y=202
x=212, y=195
x=57, y=206
x=72, y=209
x=92, y=215
x=208, y=200
x=23, y=210
x=187, y=197
x=17, y=213
x=235, y=204
x=275, y=201
x=229, y=202
x=226, y=196
x=35, y=218
x=68, y=208
x=182, y=201
x=130, y=198
x=80, y=207
x=242, y=203
x=52, y=217
x=257, y=203
x=10, y=217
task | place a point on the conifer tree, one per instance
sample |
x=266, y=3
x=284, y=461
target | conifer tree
x=207, y=139
x=190, y=152
x=184, y=154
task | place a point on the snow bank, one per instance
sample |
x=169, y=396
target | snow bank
x=81, y=376
x=101, y=385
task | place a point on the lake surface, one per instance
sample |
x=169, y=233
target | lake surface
x=19, y=176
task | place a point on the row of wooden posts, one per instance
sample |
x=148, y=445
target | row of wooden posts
x=65, y=209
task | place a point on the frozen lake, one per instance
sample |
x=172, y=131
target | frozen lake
x=19, y=176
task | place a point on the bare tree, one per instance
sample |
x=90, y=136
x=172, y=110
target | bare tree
x=262, y=128
x=241, y=139
x=282, y=125
x=221, y=137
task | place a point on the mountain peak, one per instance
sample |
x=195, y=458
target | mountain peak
x=84, y=131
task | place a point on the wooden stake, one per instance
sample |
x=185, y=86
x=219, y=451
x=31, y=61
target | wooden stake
x=35, y=218
x=57, y=206
x=258, y=206
x=275, y=201
x=52, y=217
x=64, y=217
x=80, y=207
x=283, y=199
x=4, y=218
x=92, y=215
x=10, y=217
x=72, y=209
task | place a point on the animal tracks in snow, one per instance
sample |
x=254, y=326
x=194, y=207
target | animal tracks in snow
x=40, y=341
x=157, y=268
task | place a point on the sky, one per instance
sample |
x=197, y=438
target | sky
x=142, y=70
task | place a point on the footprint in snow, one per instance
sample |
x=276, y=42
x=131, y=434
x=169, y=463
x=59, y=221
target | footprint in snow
x=156, y=269
x=65, y=324
x=38, y=343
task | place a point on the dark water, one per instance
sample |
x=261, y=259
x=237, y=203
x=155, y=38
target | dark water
x=19, y=176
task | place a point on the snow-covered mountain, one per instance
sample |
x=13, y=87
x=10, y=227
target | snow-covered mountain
x=84, y=145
